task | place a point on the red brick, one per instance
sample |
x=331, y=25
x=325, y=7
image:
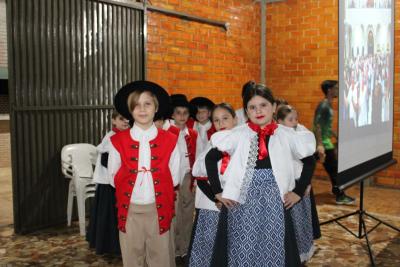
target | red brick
x=302, y=40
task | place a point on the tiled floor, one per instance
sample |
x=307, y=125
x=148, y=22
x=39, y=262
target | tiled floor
x=62, y=246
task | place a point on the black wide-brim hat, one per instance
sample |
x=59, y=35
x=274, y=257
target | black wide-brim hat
x=180, y=100
x=121, y=98
x=200, y=102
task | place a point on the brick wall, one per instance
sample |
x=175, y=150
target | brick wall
x=197, y=59
x=302, y=49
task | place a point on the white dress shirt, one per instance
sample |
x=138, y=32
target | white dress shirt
x=185, y=164
x=143, y=190
x=202, y=138
x=100, y=174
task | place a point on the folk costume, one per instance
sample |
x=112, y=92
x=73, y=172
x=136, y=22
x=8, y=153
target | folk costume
x=301, y=212
x=260, y=230
x=102, y=233
x=145, y=167
x=187, y=140
x=206, y=248
x=204, y=130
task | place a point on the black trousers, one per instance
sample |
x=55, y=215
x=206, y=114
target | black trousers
x=331, y=167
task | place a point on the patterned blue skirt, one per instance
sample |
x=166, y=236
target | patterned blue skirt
x=303, y=228
x=204, y=238
x=256, y=229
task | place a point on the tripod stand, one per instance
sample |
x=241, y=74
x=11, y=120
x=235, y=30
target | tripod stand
x=362, y=230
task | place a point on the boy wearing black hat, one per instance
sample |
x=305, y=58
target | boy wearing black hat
x=187, y=139
x=203, y=125
x=144, y=163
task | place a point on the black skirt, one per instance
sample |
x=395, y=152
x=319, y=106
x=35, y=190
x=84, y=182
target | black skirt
x=292, y=256
x=102, y=233
x=314, y=217
x=220, y=253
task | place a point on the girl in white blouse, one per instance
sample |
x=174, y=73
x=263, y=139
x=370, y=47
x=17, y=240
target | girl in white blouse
x=102, y=233
x=259, y=181
x=304, y=212
x=204, y=244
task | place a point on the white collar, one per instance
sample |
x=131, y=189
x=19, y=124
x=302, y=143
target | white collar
x=140, y=134
x=185, y=131
x=166, y=125
x=205, y=126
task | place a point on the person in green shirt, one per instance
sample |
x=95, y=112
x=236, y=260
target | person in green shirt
x=326, y=150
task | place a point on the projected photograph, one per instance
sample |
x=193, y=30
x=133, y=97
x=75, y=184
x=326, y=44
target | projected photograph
x=366, y=58
x=369, y=4
x=367, y=54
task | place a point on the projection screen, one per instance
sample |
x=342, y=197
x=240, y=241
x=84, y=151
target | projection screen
x=366, y=52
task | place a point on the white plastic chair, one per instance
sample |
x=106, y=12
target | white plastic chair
x=77, y=162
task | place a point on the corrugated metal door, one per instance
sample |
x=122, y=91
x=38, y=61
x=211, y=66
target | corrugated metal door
x=67, y=59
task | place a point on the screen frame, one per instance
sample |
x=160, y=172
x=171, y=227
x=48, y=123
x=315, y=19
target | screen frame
x=361, y=171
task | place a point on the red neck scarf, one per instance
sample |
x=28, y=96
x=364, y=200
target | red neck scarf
x=262, y=134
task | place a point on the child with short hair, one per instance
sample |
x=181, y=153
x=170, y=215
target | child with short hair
x=102, y=233
x=187, y=139
x=202, y=107
x=144, y=163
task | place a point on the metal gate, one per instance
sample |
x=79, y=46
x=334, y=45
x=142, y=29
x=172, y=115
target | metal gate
x=67, y=59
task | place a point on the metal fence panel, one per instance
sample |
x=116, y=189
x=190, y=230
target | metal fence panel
x=67, y=59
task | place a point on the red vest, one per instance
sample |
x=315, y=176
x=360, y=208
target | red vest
x=191, y=141
x=173, y=129
x=190, y=123
x=161, y=149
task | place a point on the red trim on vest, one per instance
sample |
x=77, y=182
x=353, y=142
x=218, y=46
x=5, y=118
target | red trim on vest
x=211, y=131
x=161, y=149
x=190, y=123
x=173, y=129
x=191, y=141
